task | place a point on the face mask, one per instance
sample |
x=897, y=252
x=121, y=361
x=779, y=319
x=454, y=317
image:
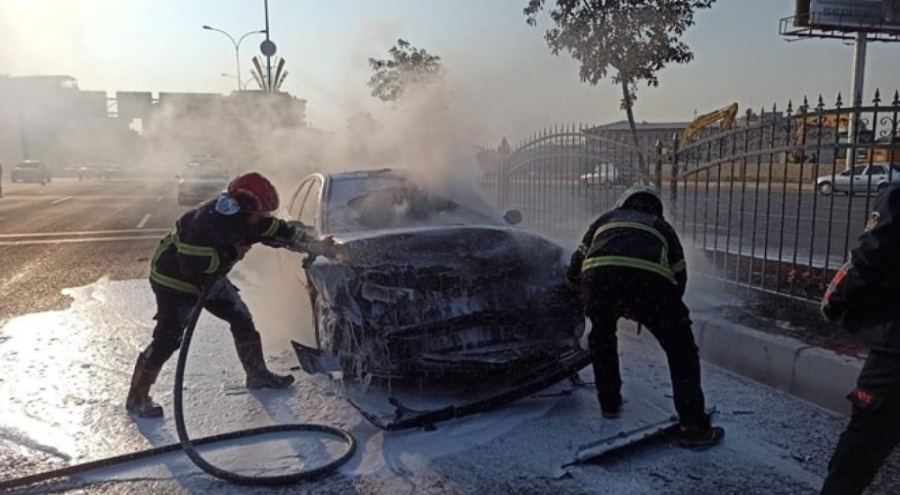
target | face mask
x=227, y=205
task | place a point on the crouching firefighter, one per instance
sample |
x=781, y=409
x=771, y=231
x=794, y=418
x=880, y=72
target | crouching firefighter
x=198, y=254
x=631, y=265
x=862, y=299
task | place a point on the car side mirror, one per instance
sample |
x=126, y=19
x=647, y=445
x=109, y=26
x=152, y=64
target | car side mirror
x=512, y=217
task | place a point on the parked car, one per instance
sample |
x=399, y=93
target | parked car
x=200, y=181
x=861, y=179
x=31, y=171
x=604, y=174
x=433, y=287
x=90, y=171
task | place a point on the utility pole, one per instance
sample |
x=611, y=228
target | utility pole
x=856, y=93
x=268, y=57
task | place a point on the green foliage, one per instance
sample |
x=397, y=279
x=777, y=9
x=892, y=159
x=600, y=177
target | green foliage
x=406, y=69
x=634, y=38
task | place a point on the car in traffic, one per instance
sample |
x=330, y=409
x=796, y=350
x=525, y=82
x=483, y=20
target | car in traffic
x=432, y=285
x=91, y=171
x=31, y=171
x=865, y=178
x=200, y=181
x=603, y=174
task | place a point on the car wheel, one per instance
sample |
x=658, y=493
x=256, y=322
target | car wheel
x=826, y=188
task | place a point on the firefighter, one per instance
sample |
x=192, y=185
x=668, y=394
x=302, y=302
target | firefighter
x=198, y=254
x=631, y=265
x=862, y=299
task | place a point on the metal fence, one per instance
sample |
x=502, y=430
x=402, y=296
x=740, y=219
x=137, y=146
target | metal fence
x=774, y=204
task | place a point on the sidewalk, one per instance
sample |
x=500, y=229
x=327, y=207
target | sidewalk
x=766, y=355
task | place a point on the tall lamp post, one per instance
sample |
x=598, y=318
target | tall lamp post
x=237, y=47
x=243, y=86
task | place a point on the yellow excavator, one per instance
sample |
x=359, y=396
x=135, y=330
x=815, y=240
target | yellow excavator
x=726, y=115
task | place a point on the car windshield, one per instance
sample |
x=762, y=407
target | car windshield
x=384, y=202
x=29, y=165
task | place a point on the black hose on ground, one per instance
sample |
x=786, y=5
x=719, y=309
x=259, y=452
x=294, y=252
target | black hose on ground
x=240, y=479
x=189, y=445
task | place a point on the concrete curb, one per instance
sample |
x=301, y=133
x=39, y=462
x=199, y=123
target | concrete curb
x=816, y=375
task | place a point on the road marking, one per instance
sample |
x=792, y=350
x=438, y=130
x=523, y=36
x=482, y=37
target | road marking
x=60, y=200
x=89, y=232
x=158, y=199
x=143, y=221
x=83, y=239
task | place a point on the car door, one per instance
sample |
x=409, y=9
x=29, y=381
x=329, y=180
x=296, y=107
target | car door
x=304, y=207
x=875, y=175
x=851, y=178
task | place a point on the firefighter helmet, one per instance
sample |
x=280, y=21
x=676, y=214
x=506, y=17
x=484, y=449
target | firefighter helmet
x=642, y=198
x=254, y=192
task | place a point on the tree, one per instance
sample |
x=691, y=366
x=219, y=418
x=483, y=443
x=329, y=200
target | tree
x=634, y=38
x=406, y=69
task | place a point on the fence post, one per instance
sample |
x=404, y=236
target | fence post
x=658, y=172
x=673, y=178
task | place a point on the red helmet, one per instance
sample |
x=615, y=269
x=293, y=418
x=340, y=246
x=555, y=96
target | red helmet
x=254, y=192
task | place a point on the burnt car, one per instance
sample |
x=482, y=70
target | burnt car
x=433, y=286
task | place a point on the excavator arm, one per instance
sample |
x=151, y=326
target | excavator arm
x=726, y=115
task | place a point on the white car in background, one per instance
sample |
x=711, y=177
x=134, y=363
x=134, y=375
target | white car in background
x=199, y=181
x=864, y=178
x=604, y=174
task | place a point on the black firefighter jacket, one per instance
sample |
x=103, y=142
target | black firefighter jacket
x=864, y=296
x=631, y=239
x=201, y=246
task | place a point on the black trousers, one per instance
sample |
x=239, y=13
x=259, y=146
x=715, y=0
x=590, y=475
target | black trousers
x=173, y=310
x=874, y=428
x=611, y=293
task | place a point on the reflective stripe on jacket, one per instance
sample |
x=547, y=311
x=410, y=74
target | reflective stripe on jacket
x=630, y=239
x=202, y=246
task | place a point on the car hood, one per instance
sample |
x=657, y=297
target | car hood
x=449, y=245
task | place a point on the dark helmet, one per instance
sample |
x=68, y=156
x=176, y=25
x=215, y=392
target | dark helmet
x=254, y=193
x=641, y=198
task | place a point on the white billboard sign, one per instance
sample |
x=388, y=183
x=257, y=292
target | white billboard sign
x=851, y=15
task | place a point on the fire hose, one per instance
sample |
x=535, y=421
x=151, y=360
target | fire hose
x=189, y=445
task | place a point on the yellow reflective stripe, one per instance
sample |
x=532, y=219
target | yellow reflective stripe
x=679, y=266
x=273, y=227
x=202, y=251
x=632, y=225
x=173, y=283
x=624, y=261
x=163, y=245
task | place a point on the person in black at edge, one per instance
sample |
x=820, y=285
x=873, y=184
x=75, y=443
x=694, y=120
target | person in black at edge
x=631, y=265
x=862, y=298
x=202, y=248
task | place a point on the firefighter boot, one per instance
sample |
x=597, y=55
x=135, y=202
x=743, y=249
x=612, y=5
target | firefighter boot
x=139, y=402
x=258, y=376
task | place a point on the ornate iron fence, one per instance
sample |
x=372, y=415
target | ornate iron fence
x=774, y=204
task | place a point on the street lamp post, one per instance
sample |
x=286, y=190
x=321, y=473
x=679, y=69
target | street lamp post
x=237, y=47
x=242, y=86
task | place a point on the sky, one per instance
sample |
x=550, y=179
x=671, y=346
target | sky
x=502, y=74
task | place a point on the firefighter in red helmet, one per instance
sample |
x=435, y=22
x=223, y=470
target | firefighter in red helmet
x=197, y=254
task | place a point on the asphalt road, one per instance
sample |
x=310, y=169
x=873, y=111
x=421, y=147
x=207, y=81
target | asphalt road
x=69, y=233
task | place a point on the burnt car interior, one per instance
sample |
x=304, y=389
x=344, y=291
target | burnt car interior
x=398, y=206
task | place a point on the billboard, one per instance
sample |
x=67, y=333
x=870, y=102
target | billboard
x=133, y=104
x=849, y=15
